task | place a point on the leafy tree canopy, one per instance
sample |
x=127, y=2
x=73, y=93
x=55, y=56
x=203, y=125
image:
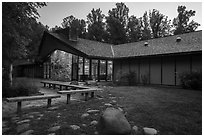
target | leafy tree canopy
x=182, y=22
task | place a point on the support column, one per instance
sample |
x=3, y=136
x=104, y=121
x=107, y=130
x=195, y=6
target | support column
x=113, y=63
x=46, y=72
x=49, y=70
x=99, y=63
x=90, y=69
x=72, y=75
x=77, y=68
x=83, y=70
x=106, y=70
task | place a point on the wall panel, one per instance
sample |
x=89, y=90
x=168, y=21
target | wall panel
x=168, y=74
x=155, y=71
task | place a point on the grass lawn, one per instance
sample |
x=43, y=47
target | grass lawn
x=169, y=110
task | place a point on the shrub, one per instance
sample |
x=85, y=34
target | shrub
x=191, y=80
x=20, y=88
x=129, y=78
x=145, y=79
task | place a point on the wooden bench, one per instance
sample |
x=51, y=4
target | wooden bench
x=61, y=84
x=86, y=91
x=29, y=98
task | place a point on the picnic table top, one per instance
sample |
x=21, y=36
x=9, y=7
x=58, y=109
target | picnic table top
x=78, y=91
x=65, y=84
x=27, y=98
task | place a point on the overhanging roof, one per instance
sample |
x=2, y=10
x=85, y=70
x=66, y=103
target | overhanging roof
x=190, y=42
x=82, y=47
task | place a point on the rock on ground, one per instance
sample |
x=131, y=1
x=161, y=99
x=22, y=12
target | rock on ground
x=135, y=129
x=53, y=129
x=22, y=127
x=108, y=104
x=74, y=127
x=53, y=108
x=29, y=132
x=23, y=121
x=149, y=131
x=84, y=115
x=113, y=122
x=94, y=123
x=84, y=125
x=93, y=111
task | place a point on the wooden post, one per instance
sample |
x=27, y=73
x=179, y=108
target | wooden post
x=68, y=98
x=60, y=87
x=49, y=102
x=161, y=70
x=19, y=107
x=83, y=70
x=77, y=68
x=92, y=94
x=106, y=70
x=175, y=73
x=72, y=67
x=113, y=63
x=98, y=70
x=86, y=96
x=90, y=69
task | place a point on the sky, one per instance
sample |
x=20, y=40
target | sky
x=54, y=12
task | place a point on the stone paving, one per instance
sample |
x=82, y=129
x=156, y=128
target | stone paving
x=23, y=125
x=23, y=122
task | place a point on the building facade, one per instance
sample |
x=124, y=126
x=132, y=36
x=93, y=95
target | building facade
x=158, y=61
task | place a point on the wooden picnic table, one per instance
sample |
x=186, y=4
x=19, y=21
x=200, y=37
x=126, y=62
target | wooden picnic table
x=61, y=84
x=86, y=91
x=29, y=98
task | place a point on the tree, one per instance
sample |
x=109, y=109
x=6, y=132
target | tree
x=117, y=24
x=96, y=26
x=61, y=62
x=16, y=26
x=36, y=33
x=159, y=23
x=55, y=28
x=146, y=28
x=181, y=22
x=75, y=25
x=134, y=28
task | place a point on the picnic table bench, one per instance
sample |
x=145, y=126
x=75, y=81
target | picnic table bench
x=61, y=84
x=29, y=98
x=86, y=91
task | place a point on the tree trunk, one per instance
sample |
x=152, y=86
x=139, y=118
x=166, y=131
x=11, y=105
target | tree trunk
x=10, y=74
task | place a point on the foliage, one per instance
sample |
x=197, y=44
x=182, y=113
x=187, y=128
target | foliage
x=17, y=21
x=75, y=25
x=146, y=29
x=134, y=28
x=145, y=79
x=159, y=23
x=191, y=80
x=61, y=66
x=128, y=78
x=117, y=24
x=96, y=30
x=181, y=22
x=17, y=18
x=36, y=35
x=20, y=88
